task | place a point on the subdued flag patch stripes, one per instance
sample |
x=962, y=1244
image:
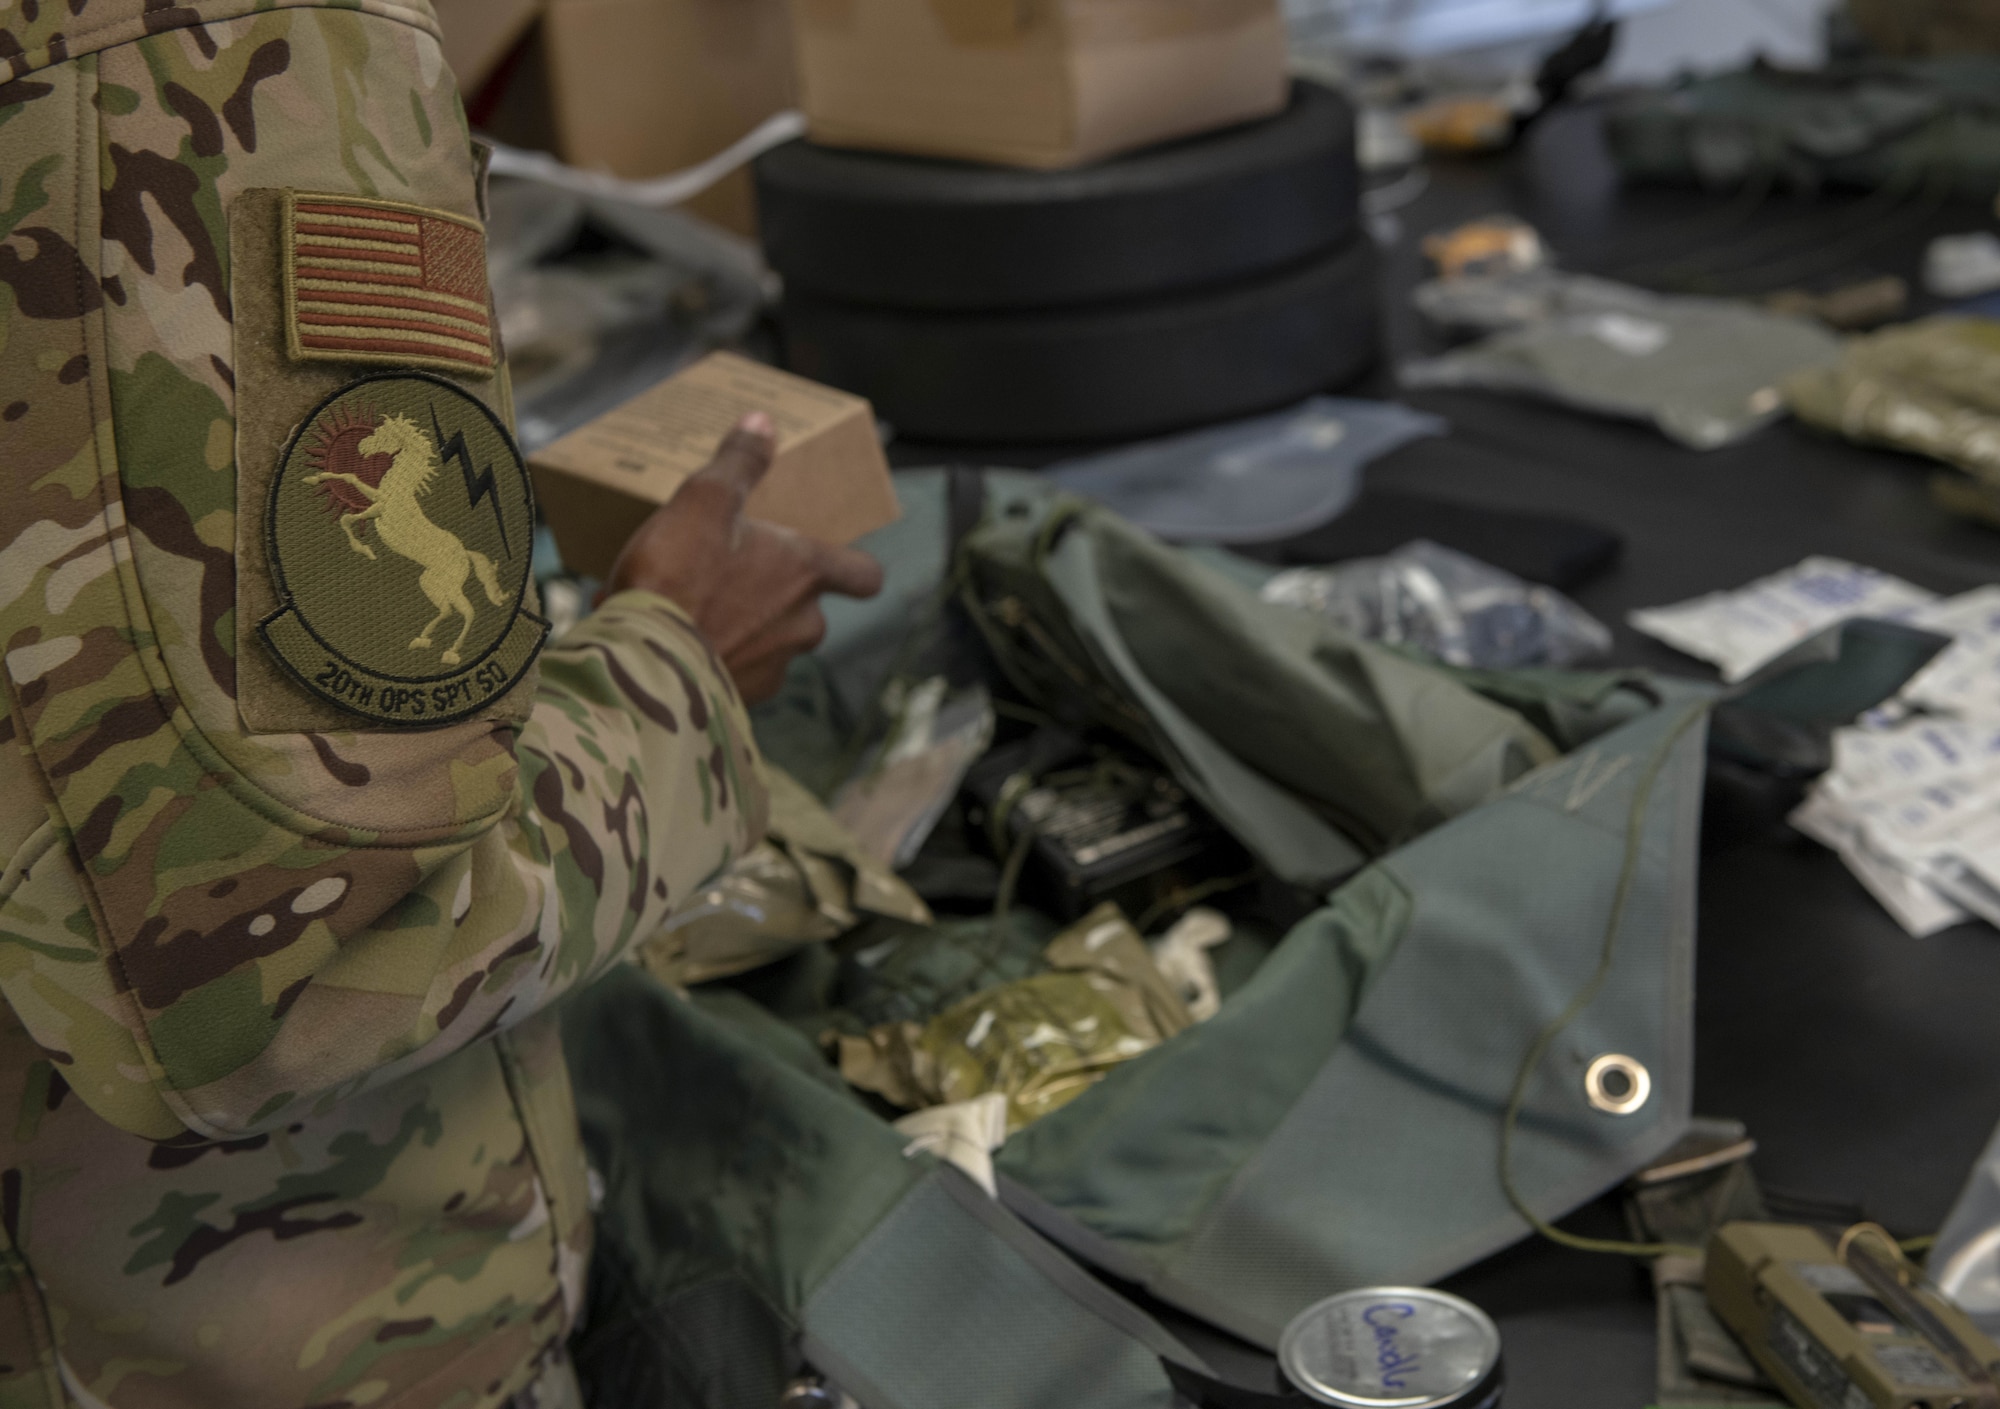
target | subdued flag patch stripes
x=385, y=283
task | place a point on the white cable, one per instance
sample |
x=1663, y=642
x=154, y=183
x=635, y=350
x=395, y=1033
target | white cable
x=669, y=190
x=1394, y=195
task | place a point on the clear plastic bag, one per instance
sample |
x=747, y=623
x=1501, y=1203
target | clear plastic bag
x=1966, y=1260
x=895, y=802
x=1252, y=480
x=1447, y=605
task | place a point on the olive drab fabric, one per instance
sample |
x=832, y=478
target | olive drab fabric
x=1909, y=125
x=1907, y=27
x=1314, y=748
x=1338, y=1123
x=282, y=1122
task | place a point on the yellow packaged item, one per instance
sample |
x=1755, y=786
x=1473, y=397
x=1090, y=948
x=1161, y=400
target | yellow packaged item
x=1040, y=1042
x=1494, y=244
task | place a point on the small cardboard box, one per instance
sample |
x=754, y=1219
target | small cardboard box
x=1036, y=83
x=829, y=480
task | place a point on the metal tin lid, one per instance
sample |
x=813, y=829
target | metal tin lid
x=1392, y=1348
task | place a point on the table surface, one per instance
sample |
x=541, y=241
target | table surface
x=1865, y=1063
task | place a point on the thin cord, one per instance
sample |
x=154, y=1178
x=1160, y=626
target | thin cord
x=1866, y=1230
x=1641, y=796
x=1186, y=898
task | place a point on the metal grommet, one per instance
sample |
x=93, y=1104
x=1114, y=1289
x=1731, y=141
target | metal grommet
x=1617, y=1084
x=811, y=1392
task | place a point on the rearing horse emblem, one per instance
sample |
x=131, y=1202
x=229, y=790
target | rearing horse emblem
x=367, y=533
x=393, y=504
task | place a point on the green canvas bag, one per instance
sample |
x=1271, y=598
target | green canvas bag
x=1905, y=125
x=1511, y=867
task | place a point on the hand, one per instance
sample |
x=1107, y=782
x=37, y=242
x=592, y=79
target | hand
x=753, y=588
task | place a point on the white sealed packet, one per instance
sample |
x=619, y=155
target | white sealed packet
x=1964, y=681
x=1914, y=812
x=1745, y=629
x=1912, y=801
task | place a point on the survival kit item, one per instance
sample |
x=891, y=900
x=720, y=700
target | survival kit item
x=1096, y=828
x=828, y=478
x=1847, y=1327
x=1374, y=1348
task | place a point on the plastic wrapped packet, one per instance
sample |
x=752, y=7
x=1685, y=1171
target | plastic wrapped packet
x=1447, y=605
x=1962, y=683
x=1105, y=948
x=1909, y=802
x=1745, y=629
x=1932, y=388
x=1463, y=123
x=810, y=881
x=1966, y=1261
x=1181, y=955
x=758, y=910
x=1493, y=301
x=1494, y=244
x=1867, y=303
x=964, y=1133
x=893, y=804
x=835, y=857
x=1909, y=805
x=1961, y=266
x=1706, y=372
x=1040, y=1041
x=1897, y=883
x=913, y=973
x=1248, y=481
x=1929, y=859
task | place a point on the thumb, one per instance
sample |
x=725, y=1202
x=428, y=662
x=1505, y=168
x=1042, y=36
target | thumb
x=744, y=456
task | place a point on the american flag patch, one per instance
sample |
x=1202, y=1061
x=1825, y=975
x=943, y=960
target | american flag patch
x=383, y=282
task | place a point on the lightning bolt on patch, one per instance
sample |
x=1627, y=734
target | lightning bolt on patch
x=398, y=599
x=478, y=483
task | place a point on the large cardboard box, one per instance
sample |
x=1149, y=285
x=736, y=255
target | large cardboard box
x=643, y=87
x=479, y=33
x=1038, y=83
x=828, y=481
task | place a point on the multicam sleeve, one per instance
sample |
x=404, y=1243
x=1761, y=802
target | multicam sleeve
x=214, y=927
x=639, y=779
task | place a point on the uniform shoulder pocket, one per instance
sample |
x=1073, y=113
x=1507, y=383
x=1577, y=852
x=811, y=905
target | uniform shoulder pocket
x=385, y=519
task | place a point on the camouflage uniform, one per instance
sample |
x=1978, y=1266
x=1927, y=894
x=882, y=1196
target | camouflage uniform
x=283, y=1120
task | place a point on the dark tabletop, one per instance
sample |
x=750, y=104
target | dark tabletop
x=1865, y=1063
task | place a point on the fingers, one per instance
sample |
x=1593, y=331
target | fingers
x=743, y=458
x=818, y=567
x=798, y=632
x=760, y=682
x=848, y=571
x=758, y=665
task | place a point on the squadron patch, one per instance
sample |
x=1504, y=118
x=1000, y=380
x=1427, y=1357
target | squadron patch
x=399, y=527
x=384, y=282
